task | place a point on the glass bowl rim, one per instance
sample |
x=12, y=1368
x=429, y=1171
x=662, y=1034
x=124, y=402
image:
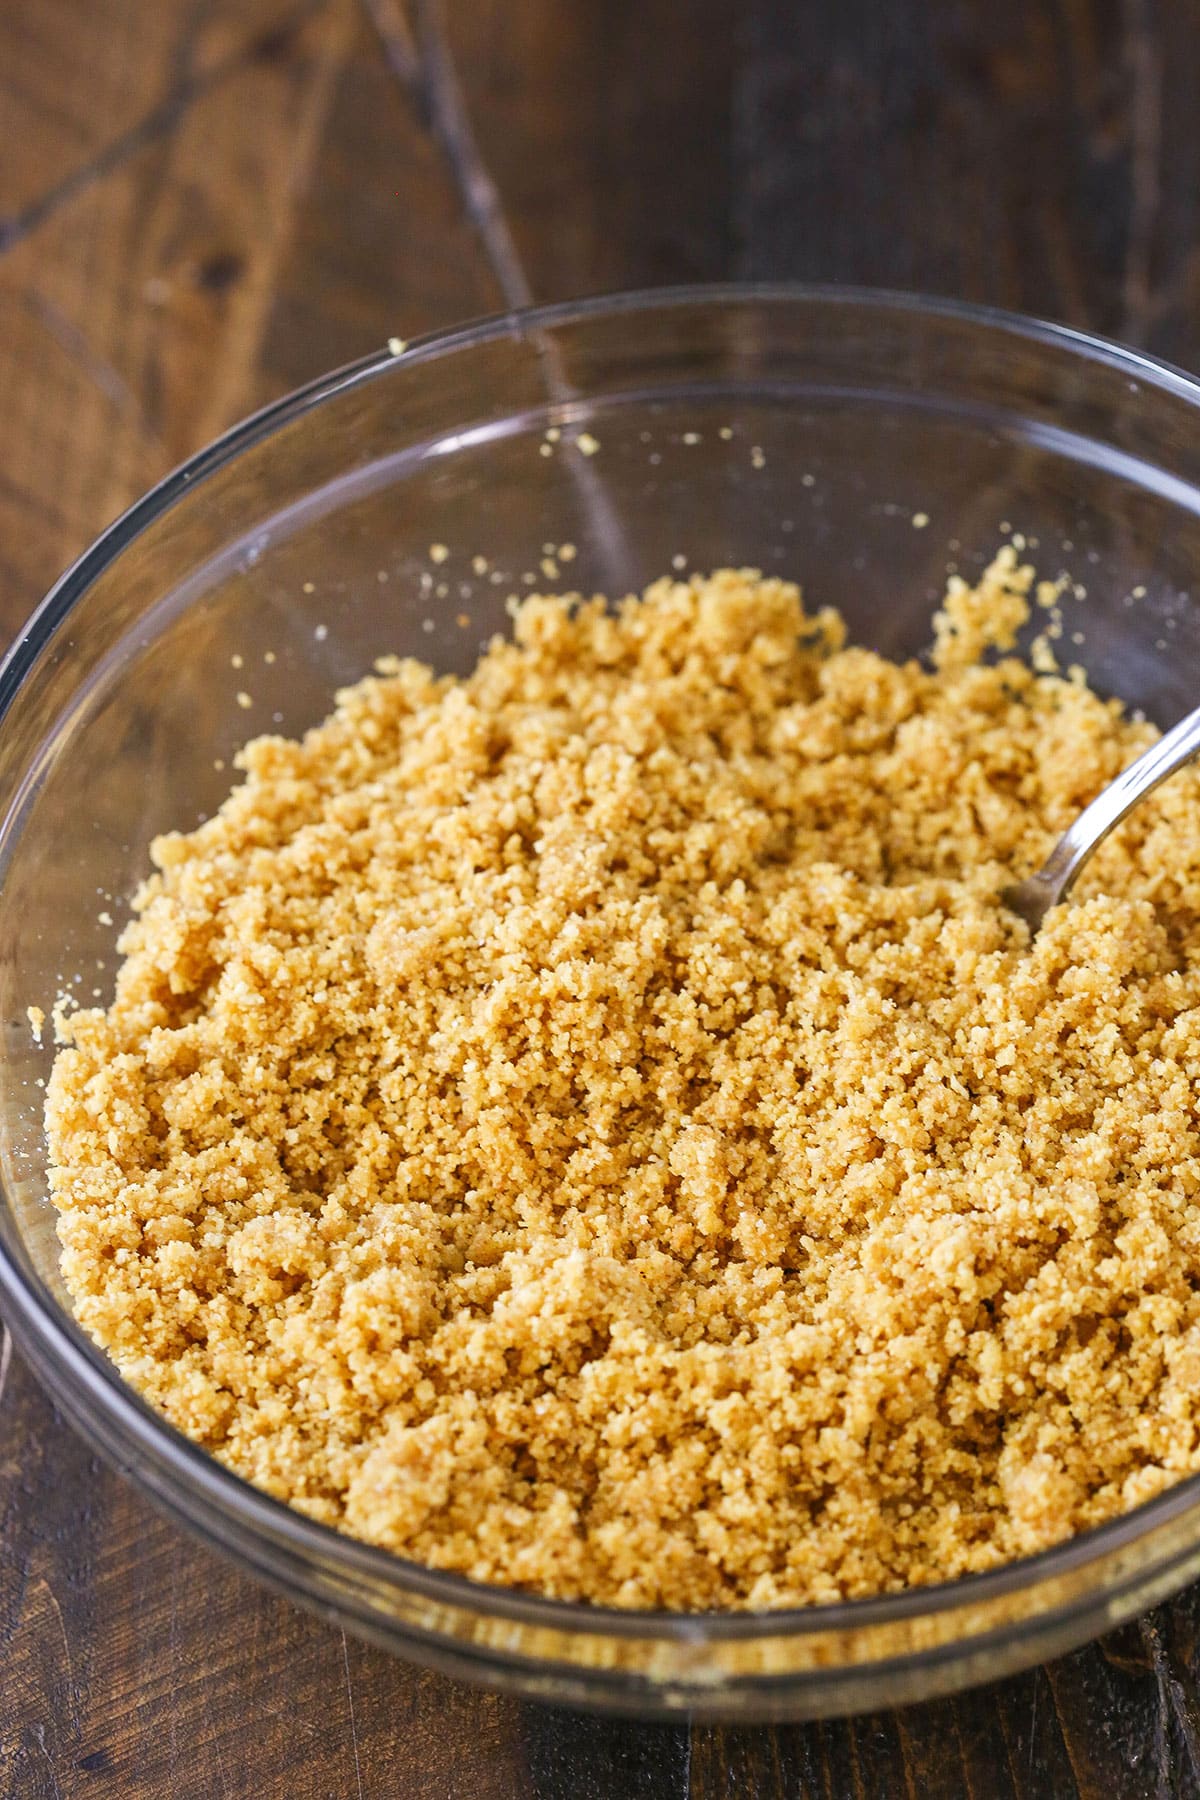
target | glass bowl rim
x=90, y=1375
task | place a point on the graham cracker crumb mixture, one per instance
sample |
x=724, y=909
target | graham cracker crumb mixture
x=594, y=1127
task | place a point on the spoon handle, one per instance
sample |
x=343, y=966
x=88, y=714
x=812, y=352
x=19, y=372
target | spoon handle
x=1110, y=806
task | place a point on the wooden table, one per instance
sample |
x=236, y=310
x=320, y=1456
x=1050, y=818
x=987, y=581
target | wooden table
x=205, y=202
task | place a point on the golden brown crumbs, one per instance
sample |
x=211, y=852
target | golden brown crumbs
x=593, y=1126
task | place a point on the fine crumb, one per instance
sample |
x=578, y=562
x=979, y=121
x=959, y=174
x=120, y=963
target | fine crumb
x=438, y=553
x=104, y=918
x=308, y=587
x=974, y=619
x=397, y=346
x=237, y=661
x=244, y=700
x=757, y=458
x=37, y=1020
x=725, y=432
x=1041, y=655
x=593, y=1126
x=587, y=443
x=920, y=520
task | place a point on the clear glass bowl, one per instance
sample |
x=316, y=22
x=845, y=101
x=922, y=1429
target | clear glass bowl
x=806, y=432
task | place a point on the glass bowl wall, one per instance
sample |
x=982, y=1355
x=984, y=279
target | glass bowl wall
x=858, y=442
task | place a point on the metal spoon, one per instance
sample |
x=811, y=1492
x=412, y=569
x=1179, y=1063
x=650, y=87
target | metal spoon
x=1034, y=897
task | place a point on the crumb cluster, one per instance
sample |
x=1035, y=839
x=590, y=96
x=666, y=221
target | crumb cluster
x=594, y=1127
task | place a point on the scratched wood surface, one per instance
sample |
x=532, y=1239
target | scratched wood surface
x=204, y=202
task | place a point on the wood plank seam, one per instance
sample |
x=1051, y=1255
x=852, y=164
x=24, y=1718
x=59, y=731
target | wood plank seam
x=160, y=120
x=95, y=367
x=1145, y=112
x=1173, y=1707
x=425, y=69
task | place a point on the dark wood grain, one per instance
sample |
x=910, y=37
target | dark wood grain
x=608, y=130
x=135, y=285
x=205, y=202
x=1041, y=155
